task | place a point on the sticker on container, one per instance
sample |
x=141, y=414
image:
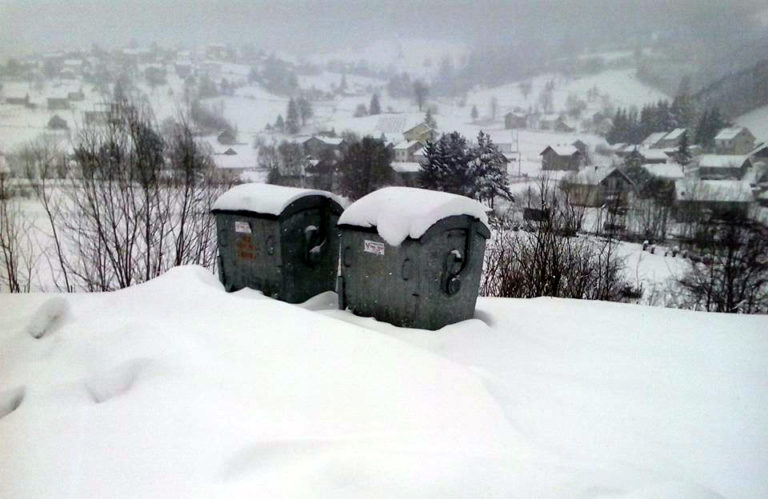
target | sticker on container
x=373, y=247
x=242, y=227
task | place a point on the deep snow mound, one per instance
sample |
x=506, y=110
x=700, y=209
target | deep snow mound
x=176, y=388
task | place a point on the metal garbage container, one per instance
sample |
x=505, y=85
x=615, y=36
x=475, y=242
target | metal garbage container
x=412, y=257
x=280, y=240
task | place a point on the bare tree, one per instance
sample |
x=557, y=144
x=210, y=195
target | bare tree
x=420, y=92
x=729, y=271
x=16, y=249
x=549, y=259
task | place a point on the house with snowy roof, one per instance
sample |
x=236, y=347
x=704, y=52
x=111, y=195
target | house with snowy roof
x=58, y=103
x=421, y=133
x=598, y=186
x=759, y=154
x=653, y=139
x=513, y=120
x=405, y=150
x=665, y=171
x=559, y=157
x=647, y=156
x=711, y=199
x=315, y=145
x=721, y=166
x=672, y=139
x=734, y=140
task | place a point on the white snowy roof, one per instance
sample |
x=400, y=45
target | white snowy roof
x=721, y=160
x=567, y=150
x=407, y=144
x=713, y=190
x=265, y=198
x=589, y=175
x=665, y=170
x=406, y=166
x=728, y=133
x=674, y=134
x=653, y=138
x=654, y=154
x=401, y=212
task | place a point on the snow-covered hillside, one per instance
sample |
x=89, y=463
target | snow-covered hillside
x=757, y=122
x=175, y=388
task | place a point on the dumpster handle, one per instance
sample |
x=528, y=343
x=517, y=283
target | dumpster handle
x=453, y=279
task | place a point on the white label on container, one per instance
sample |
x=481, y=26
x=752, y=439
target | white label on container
x=242, y=227
x=373, y=247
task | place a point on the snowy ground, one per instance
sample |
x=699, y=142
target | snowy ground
x=175, y=388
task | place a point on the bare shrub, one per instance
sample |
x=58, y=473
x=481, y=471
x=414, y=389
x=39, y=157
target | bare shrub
x=549, y=259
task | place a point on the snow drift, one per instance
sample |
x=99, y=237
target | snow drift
x=176, y=388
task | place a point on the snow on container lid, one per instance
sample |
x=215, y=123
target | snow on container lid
x=267, y=199
x=401, y=212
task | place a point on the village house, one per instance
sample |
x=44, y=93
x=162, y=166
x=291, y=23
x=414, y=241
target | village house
x=561, y=158
x=515, y=120
x=665, y=171
x=646, y=156
x=721, y=167
x=76, y=95
x=652, y=140
x=407, y=173
x=597, y=186
x=232, y=165
x=562, y=125
x=420, y=133
x=405, y=150
x=711, y=199
x=671, y=140
x=315, y=146
x=57, y=123
x=16, y=100
x=735, y=140
x=759, y=154
x=58, y=103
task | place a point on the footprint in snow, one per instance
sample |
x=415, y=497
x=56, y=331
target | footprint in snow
x=10, y=400
x=116, y=381
x=48, y=317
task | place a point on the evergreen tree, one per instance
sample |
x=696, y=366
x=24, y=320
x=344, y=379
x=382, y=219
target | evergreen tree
x=292, y=118
x=279, y=123
x=432, y=171
x=474, y=114
x=420, y=91
x=429, y=120
x=683, y=152
x=305, y=110
x=447, y=165
x=700, y=135
x=365, y=167
x=489, y=169
x=682, y=106
x=374, y=107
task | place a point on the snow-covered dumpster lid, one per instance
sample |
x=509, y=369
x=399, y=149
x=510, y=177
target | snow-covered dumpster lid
x=266, y=199
x=401, y=212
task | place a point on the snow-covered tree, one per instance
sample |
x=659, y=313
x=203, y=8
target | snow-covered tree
x=374, y=107
x=420, y=92
x=305, y=110
x=489, y=170
x=429, y=120
x=474, y=114
x=292, y=118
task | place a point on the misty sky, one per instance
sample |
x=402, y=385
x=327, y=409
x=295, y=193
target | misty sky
x=316, y=26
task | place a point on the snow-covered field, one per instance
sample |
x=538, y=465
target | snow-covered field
x=175, y=388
